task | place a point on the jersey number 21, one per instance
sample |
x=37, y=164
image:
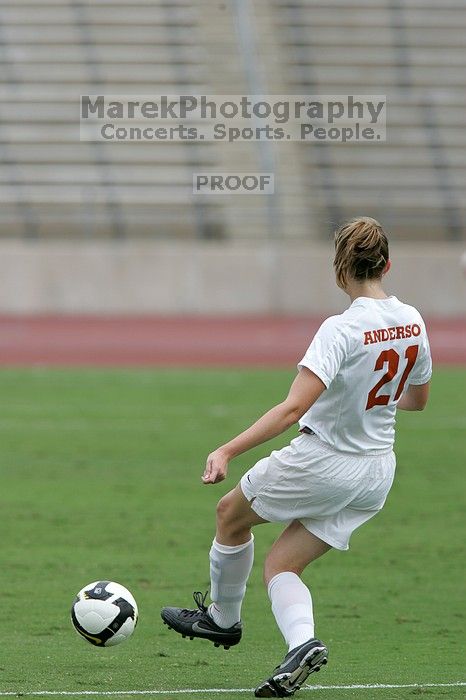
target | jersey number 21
x=392, y=359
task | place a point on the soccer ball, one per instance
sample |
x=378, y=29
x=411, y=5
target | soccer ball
x=104, y=613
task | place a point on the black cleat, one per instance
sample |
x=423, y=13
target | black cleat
x=198, y=623
x=289, y=676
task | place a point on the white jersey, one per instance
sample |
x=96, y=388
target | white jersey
x=366, y=357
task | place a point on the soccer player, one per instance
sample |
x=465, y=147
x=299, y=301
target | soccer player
x=361, y=366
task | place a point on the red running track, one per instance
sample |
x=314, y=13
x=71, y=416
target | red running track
x=168, y=341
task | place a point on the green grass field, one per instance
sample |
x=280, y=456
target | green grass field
x=100, y=478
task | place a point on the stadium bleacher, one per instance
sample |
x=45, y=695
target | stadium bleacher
x=53, y=185
x=414, y=52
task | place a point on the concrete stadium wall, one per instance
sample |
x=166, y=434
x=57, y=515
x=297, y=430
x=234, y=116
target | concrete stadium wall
x=133, y=277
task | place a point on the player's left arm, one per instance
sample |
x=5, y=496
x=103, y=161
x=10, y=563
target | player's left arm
x=415, y=398
x=304, y=392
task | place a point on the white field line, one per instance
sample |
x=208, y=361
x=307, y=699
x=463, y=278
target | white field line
x=189, y=691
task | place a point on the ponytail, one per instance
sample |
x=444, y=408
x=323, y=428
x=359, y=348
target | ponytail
x=361, y=250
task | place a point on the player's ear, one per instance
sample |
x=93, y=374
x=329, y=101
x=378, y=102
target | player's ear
x=387, y=267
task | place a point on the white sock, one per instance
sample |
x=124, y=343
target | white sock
x=292, y=607
x=229, y=571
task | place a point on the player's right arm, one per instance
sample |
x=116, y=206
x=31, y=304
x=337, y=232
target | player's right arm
x=304, y=392
x=415, y=397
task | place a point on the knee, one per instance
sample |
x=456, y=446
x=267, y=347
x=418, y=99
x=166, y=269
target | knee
x=225, y=512
x=229, y=520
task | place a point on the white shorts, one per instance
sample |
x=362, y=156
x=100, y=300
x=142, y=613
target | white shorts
x=331, y=493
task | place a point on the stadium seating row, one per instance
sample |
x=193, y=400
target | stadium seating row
x=51, y=51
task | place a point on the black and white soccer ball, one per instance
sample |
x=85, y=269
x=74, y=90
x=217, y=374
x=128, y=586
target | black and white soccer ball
x=104, y=613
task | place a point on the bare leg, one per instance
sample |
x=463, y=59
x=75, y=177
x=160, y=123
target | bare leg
x=293, y=551
x=235, y=518
x=292, y=607
x=231, y=557
x=291, y=599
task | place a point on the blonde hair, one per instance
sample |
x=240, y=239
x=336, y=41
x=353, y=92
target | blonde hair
x=361, y=250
